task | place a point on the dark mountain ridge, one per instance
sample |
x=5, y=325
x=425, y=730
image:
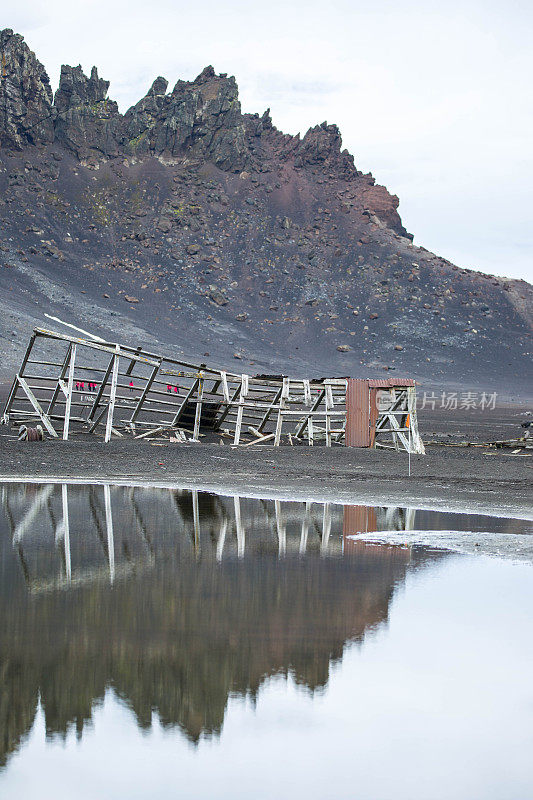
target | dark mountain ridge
x=187, y=225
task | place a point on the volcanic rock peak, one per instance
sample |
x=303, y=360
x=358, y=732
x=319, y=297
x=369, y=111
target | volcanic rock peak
x=202, y=116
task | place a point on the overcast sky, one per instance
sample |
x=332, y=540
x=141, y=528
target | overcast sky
x=434, y=98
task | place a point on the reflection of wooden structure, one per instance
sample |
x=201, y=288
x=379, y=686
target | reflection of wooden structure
x=78, y=523
x=75, y=384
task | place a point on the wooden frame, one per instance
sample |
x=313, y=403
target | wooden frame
x=144, y=394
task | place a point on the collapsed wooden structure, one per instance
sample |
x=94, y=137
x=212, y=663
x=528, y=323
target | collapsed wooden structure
x=71, y=384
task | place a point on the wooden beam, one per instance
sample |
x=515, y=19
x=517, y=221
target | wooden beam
x=35, y=403
x=271, y=407
x=97, y=420
x=301, y=427
x=61, y=378
x=260, y=440
x=15, y=385
x=100, y=391
x=129, y=370
x=181, y=409
x=142, y=398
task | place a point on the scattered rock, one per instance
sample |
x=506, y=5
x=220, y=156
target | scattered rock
x=164, y=224
x=216, y=296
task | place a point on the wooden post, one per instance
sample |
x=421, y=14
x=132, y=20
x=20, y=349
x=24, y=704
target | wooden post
x=70, y=384
x=225, y=390
x=112, y=397
x=238, y=424
x=329, y=407
x=198, y=412
x=282, y=404
x=393, y=404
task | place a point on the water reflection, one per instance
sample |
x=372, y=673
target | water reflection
x=176, y=599
x=39, y=523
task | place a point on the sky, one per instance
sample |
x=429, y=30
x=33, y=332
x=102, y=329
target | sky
x=433, y=98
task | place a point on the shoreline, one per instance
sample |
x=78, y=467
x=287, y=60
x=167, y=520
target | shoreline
x=267, y=491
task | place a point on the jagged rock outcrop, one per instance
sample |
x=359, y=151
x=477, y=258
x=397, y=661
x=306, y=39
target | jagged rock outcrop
x=202, y=116
x=26, y=112
x=86, y=120
x=320, y=144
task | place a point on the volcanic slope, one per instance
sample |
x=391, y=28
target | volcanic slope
x=193, y=228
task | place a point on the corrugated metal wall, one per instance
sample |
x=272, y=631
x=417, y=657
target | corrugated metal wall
x=357, y=413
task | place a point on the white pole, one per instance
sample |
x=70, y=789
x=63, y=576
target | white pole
x=409, y=418
x=74, y=328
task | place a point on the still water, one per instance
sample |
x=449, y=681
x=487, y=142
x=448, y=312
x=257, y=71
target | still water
x=165, y=643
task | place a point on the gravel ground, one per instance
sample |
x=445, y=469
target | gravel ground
x=449, y=478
